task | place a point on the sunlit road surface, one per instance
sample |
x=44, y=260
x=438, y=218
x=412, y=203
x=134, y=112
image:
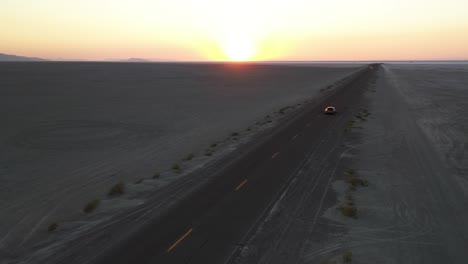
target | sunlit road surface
x=212, y=224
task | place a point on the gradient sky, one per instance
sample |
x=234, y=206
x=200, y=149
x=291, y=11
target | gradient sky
x=237, y=29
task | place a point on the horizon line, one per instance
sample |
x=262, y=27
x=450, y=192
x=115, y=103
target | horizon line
x=247, y=61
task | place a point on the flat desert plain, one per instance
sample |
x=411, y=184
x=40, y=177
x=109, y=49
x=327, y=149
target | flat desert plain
x=71, y=130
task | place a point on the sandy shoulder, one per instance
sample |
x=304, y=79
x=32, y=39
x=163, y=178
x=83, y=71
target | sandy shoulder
x=414, y=209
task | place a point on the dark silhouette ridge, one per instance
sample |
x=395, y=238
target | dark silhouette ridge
x=8, y=57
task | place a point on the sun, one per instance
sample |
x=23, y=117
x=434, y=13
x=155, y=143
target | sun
x=239, y=49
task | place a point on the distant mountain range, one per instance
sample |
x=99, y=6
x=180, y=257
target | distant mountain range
x=8, y=57
x=135, y=60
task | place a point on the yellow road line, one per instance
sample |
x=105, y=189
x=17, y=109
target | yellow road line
x=276, y=154
x=240, y=185
x=178, y=241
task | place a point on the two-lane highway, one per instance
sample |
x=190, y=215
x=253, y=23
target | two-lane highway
x=210, y=225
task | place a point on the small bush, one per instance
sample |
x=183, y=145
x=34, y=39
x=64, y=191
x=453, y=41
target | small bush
x=117, y=189
x=361, y=117
x=138, y=181
x=156, y=175
x=214, y=145
x=91, y=206
x=348, y=210
x=356, y=181
x=248, y=129
x=364, y=113
x=353, y=180
x=282, y=110
x=235, y=134
x=189, y=157
x=208, y=153
x=348, y=256
x=52, y=227
x=350, y=171
x=176, y=168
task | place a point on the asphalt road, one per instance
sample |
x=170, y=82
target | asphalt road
x=211, y=225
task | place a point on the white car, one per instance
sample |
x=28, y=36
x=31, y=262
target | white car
x=329, y=110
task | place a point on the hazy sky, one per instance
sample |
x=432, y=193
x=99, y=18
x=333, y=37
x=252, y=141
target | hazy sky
x=237, y=29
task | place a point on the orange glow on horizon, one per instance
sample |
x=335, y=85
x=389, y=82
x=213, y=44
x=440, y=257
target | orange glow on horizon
x=242, y=30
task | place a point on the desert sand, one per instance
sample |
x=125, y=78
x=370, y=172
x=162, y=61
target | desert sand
x=72, y=130
x=415, y=208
